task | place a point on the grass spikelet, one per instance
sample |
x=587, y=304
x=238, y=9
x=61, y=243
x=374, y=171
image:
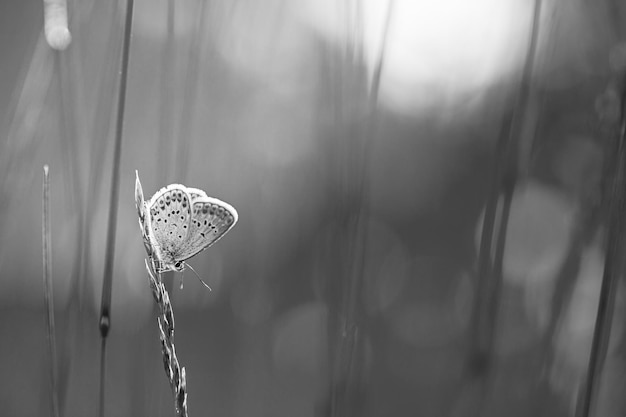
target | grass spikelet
x=175, y=374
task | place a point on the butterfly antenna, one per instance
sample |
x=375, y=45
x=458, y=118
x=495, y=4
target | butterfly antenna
x=198, y=276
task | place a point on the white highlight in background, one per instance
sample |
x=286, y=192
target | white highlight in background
x=437, y=52
x=55, y=24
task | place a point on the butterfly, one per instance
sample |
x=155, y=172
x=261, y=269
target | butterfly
x=179, y=222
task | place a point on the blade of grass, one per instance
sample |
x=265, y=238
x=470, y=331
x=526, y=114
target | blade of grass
x=107, y=282
x=48, y=297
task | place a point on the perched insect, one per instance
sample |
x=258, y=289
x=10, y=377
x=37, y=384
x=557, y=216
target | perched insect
x=179, y=222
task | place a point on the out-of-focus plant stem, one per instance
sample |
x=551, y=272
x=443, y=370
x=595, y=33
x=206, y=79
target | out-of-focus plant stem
x=107, y=283
x=493, y=237
x=101, y=129
x=613, y=267
x=348, y=356
x=587, y=225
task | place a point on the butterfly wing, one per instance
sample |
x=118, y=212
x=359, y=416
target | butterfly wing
x=195, y=193
x=170, y=216
x=210, y=220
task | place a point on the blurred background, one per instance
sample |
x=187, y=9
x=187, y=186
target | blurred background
x=363, y=143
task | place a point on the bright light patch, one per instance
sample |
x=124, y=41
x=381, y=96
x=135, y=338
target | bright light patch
x=55, y=24
x=436, y=50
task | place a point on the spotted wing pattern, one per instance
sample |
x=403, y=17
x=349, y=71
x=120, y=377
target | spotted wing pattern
x=195, y=193
x=170, y=216
x=210, y=220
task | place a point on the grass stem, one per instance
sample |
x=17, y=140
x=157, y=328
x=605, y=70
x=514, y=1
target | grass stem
x=48, y=297
x=175, y=374
x=107, y=283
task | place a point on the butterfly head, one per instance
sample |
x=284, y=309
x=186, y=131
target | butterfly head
x=177, y=266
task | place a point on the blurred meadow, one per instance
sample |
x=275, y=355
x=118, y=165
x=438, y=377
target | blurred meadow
x=430, y=196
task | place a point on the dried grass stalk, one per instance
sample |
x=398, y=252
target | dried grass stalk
x=48, y=298
x=175, y=374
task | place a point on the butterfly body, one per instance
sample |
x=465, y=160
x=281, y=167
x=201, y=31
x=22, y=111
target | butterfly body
x=183, y=221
